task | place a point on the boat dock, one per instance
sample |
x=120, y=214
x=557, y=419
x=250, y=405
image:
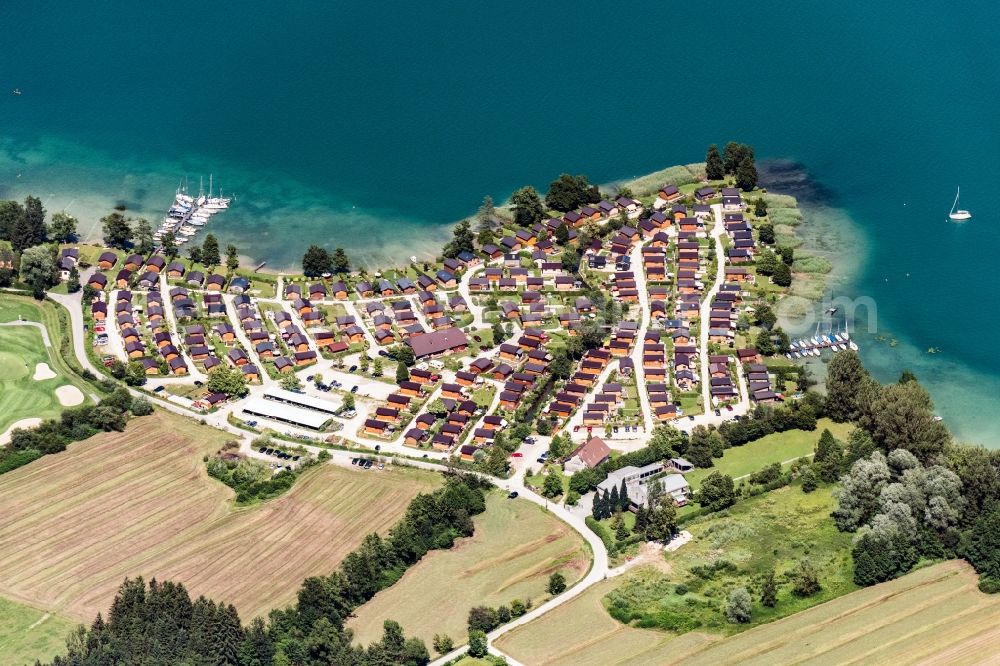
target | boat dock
x=814, y=346
x=188, y=214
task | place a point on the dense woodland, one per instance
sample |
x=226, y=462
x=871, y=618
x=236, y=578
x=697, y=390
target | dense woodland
x=158, y=623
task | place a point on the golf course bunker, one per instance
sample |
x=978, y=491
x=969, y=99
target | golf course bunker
x=69, y=395
x=23, y=423
x=43, y=371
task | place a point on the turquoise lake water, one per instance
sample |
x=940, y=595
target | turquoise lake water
x=374, y=125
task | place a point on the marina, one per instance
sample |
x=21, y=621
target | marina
x=814, y=346
x=188, y=214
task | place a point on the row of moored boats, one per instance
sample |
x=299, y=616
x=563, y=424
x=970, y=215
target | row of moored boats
x=815, y=345
x=188, y=214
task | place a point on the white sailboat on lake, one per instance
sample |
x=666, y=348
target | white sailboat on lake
x=958, y=215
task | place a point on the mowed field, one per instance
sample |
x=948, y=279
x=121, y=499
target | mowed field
x=517, y=545
x=27, y=634
x=933, y=616
x=73, y=525
x=21, y=349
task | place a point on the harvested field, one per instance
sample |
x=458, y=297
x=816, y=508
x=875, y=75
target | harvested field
x=934, y=615
x=140, y=503
x=514, y=550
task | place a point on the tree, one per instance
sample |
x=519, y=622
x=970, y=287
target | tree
x=805, y=579
x=462, y=241
x=62, y=228
x=764, y=343
x=567, y=192
x=73, y=283
x=828, y=457
x=117, y=231
x=477, y=644
x=443, y=644
x=484, y=216
x=482, y=618
x=787, y=254
x=858, y=495
x=809, y=480
x=169, y=245
x=621, y=532
x=760, y=208
x=210, y=252
x=232, y=258
x=557, y=583
x=228, y=380
x=135, y=374
x=143, y=237
x=734, y=154
x=981, y=544
x=341, y=264
x=29, y=228
x=782, y=275
x=377, y=367
x=746, y=175
x=194, y=254
x=766, y=262
x=901, y=416
x=717, y=492
x=552, y=487
x=527, y=206
x=661, y=518
x=764, y=317
x=291, y=382
x=570, y=260
x=699, y=450
x=769, y=589
x=881, y=554
x=38, y=269
x=349, y=401
x=316, y=261
x=738, y=606
x=561, y=233
x=714, y=168
x=845, y=376
x=403, y=354
x=765, y=233
x=402, y=374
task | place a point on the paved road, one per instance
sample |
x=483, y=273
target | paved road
x=706, y=307
x=644, y=321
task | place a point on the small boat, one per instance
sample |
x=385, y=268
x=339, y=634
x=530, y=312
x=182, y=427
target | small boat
x=958, y=215
x=831, y=311
x=938, y=418
x=18, y=92
x=853, y=345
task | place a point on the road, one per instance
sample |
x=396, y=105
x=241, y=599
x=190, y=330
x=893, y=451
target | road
x=41, y=329
x=706, y=307
x=644, y=322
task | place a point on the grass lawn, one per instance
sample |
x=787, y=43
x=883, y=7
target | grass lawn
x=27, y=634
x=484, y=396
x=771, y=531
x=21, y=349
x=517, y=545
x=779, y=447
x=141, y=503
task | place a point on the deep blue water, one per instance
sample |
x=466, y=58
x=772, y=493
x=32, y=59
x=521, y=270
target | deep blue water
x=373, y=125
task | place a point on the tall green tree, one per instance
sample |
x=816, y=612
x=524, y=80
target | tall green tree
x=528, y=208
x=828, y=457
x=62, y=228
x=567, y=192
x=746, y=175
x=717, y=492
x=341, y=264
x=462, y=241
x=210, y=252
x=769, y=589
x=117, y=230
x=73, y=283
x=845, y=376
x=734, y=154
x=169, y=245
x=11, y=213
x=30, y=229
x=484, y=216
x=38, y=269
x=316, y=261
x=143, y=237
x=232, y=258
x=901, y=416
x=714, y=168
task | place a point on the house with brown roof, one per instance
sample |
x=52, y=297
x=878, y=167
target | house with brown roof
x=588, y=455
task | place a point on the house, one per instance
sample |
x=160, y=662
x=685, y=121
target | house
x=176, y=270
x=703, y=194
x=195, y=278
x=375, y=427
x=239, y=285
x=215, y=282
x=133, y=262
x=156, y=263
x=107, y=260
x=668, y=194
x=98, y=281
x=415, y=437
x=588, y=455
x=435, y=343
x=638, y=479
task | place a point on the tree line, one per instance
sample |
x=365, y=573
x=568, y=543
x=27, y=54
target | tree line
x=159, y=624
x=907, y=489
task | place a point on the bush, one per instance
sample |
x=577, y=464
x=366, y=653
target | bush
x=557, y=583
x=989, y=585
x=681, y=589
x=738, y=606
x=142, y=407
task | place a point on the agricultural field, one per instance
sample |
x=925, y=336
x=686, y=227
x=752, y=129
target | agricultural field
x=27, y=634
x=779, y=447
x=30, y=372
x=141, y=503
x=934, y=615
x=514, y=550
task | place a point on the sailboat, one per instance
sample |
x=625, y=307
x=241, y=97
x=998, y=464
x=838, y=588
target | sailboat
x=958, y=215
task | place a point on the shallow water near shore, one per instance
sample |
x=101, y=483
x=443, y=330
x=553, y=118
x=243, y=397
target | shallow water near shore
x=374, y=126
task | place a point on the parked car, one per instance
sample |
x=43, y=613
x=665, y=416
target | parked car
x=353, y=368
x=517, y=454
x=159, y=389
x=354, y=389
x=718, y=412
x=512, y=494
